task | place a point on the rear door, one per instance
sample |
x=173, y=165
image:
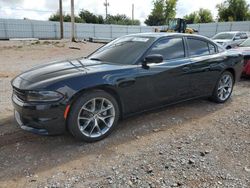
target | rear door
x=205, y=61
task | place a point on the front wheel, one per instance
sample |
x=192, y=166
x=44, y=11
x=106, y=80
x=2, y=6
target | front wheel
x=224, y=88
x=93, y=116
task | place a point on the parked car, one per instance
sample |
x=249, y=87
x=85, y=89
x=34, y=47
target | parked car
x=230, y=39
x=128, y=76
x=244, y=48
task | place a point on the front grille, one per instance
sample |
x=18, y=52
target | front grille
x=21, y=94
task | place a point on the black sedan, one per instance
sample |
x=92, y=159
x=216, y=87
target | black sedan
x=129, y=75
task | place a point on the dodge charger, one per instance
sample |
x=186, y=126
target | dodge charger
x=130, y=75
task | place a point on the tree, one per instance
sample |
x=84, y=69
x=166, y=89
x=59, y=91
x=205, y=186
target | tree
x=121, y=19
x=89, y=17
x=191, y=18
x=201, y=16
x=162, y=11
x=205, y=16
x=66, y=18
x=233, y=10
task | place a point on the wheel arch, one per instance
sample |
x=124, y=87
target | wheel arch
x=232, y=71
x=105, y=88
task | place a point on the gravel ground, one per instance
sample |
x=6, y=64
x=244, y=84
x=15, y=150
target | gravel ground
x=193, y=144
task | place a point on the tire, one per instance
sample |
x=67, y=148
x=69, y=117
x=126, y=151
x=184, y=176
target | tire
x=223, y=90
x=93, y=116
x=228, y=47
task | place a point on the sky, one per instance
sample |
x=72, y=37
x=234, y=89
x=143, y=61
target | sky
x=42, y=9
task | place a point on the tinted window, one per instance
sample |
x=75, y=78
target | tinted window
x=212, y=48
x=197, y=47
x=124, y=50
x=170, y=48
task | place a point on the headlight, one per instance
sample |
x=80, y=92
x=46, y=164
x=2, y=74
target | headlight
x=43, y=96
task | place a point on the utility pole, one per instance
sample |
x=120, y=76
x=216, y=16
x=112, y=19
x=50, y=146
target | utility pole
x=133, y=13
x=106, y=4
x=72, y=21
x=61, y=19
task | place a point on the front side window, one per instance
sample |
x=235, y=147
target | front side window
x=169, y=48
x=197, y=47
x=124, y=50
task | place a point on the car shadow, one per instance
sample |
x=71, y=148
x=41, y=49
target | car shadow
x=24, y=153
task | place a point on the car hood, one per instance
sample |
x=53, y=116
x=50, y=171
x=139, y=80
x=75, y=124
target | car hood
x=222, y=40
x=56, y=71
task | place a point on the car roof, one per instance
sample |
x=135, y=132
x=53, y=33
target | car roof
x=163, y=34
x=233, y=32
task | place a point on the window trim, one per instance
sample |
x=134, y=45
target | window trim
x=164, y=38
x=203, y=40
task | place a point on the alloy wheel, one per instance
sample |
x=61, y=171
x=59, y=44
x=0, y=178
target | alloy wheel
x=96, y=117
x=225, y=87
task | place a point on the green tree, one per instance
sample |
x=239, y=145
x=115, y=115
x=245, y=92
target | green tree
x=205, y=16
x=162, y=11
x=233, y=10
x=121, y=19
x=66, y=18
x=89, y=17
x=201, y=16
x=191, y=18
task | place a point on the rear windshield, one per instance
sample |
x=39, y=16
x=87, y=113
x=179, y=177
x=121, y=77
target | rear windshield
x=124, y=50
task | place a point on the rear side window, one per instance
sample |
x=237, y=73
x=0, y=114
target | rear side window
x=197, y=47
x=169, y=48
x=243, y=36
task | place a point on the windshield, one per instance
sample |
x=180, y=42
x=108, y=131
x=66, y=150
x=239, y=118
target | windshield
x=173, y=24
x=124, y=50
x=224, y=36
x=246, y=43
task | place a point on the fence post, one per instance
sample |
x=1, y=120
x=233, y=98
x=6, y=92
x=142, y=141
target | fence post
x=111, y=32
x=199, y=28
x=216, y=29
x=94, y=30
x=127, y=29
x=5, y=29
x=231, y=25
x=32, y=29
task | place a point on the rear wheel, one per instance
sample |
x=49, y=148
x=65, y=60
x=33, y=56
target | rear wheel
x=93, y=116
x=224, y=88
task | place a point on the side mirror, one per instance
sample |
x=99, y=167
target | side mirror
x=154, y=58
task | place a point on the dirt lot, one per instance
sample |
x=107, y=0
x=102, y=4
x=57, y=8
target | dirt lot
x=193, y=144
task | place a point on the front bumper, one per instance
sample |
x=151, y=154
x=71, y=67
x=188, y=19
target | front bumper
x=44, y=119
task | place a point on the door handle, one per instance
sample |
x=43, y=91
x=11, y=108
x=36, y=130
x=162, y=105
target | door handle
x=125, y=82
x=186, y=69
